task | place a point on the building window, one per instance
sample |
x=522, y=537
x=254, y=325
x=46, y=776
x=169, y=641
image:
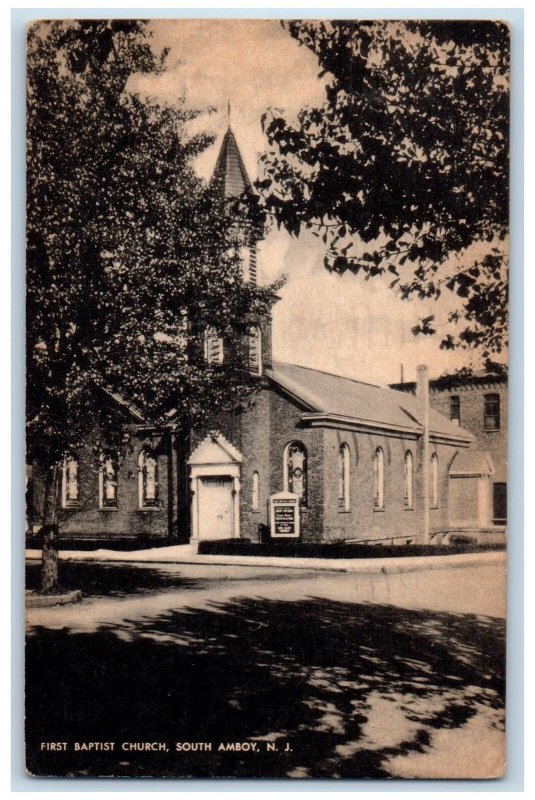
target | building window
x=455, y=409
x=107, y=483
x=254, y=344
x=213, y=347
x=295, y=471
x=69, y=482
x=408, y=482
x=499, y=503
x=491, y=418
x=344, y=466
x=434, y=480
x=147, y=479
x=255, y=493
x=379, y=479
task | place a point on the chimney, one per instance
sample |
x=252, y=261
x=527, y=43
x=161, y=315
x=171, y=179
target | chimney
x=422, y=396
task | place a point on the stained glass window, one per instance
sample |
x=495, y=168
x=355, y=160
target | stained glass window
x=296, y=471
x=434, y=480
x=148, y=479
x=255, y=494
x=343, y=476
x=108, y=481
x=69, y=487
x=379, y=478
x=409, y=472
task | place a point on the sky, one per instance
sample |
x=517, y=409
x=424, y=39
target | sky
x=340, y=324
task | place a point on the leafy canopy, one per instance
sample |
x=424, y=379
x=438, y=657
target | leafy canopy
x=403, y=171
x=129, y=255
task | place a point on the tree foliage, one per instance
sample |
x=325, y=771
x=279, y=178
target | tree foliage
x=129, y=254
x=403, y=171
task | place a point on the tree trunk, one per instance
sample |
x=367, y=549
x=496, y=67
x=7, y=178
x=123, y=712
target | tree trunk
x=49, y=533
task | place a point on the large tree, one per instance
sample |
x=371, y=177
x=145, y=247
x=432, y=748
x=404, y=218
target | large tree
x=403, y=171
x=129, y=255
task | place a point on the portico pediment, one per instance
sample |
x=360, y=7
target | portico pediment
x=215, y=449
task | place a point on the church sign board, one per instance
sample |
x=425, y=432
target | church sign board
x=284, y=516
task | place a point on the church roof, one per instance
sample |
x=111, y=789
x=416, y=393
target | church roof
x=472, y=463
x=230, y=173
x=336, y=399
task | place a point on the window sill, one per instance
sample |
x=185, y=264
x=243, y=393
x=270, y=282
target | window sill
x=150, y=509
x=70, y=508
x=255, y=511
x=344, y=511
x=379, y=510
x=108, y=508
x=491, y=430
x=408, y=508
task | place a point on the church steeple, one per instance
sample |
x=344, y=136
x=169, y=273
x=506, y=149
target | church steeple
x=230, y=173
x=230, y=180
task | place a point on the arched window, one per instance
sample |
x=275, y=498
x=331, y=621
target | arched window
x=434, y=481
x=255, y=493
x=379, y=478
x=147, y=479
x=295, y=471
x=213, y=347
x=343, y=476
x=254, y=342
x=69, y=482
x=408, y=483
x=107, y=481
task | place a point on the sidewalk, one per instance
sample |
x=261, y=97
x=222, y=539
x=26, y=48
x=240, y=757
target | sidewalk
x=186, y=554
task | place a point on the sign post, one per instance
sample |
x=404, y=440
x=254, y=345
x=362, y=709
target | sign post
x=284, y=517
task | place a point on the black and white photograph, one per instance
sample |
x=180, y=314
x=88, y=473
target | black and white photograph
x=266, y=398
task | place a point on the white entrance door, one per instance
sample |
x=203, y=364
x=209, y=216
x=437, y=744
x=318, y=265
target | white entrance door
x=215, y=508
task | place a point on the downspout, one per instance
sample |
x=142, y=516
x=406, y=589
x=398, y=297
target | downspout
x=422, y=395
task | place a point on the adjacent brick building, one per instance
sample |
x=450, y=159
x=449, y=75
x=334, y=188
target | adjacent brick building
x=367, y=463
x=479, y=404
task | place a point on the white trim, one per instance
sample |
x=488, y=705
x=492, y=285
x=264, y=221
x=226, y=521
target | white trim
x=326, y=420
x=228, y=467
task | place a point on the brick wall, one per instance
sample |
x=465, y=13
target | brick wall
x=472, y=401
x=126, y=521
x=285, y=428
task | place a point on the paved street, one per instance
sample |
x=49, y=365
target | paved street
x=346, y=675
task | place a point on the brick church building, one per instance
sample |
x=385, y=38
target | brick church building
x=367, y=463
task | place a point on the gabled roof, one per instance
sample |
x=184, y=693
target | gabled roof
x=215, y=449
x=471, y=463
x=230, y=174
x=120, y=400
x=335, y=399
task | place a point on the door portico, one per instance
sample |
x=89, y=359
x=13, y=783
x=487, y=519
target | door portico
x=215, y=484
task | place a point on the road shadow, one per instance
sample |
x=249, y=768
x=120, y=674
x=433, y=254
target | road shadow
x=114, y=580
x=348, y=686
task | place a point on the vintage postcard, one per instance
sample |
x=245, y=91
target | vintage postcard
x=267, y=277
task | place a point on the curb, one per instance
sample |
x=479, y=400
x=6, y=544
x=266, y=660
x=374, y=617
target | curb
x=34, y=600
x=385, y=566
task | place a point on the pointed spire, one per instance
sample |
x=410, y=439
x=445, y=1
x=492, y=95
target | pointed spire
x=230, y=173
x=228, y=113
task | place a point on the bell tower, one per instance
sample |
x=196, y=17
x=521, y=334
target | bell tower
x=231, y=181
